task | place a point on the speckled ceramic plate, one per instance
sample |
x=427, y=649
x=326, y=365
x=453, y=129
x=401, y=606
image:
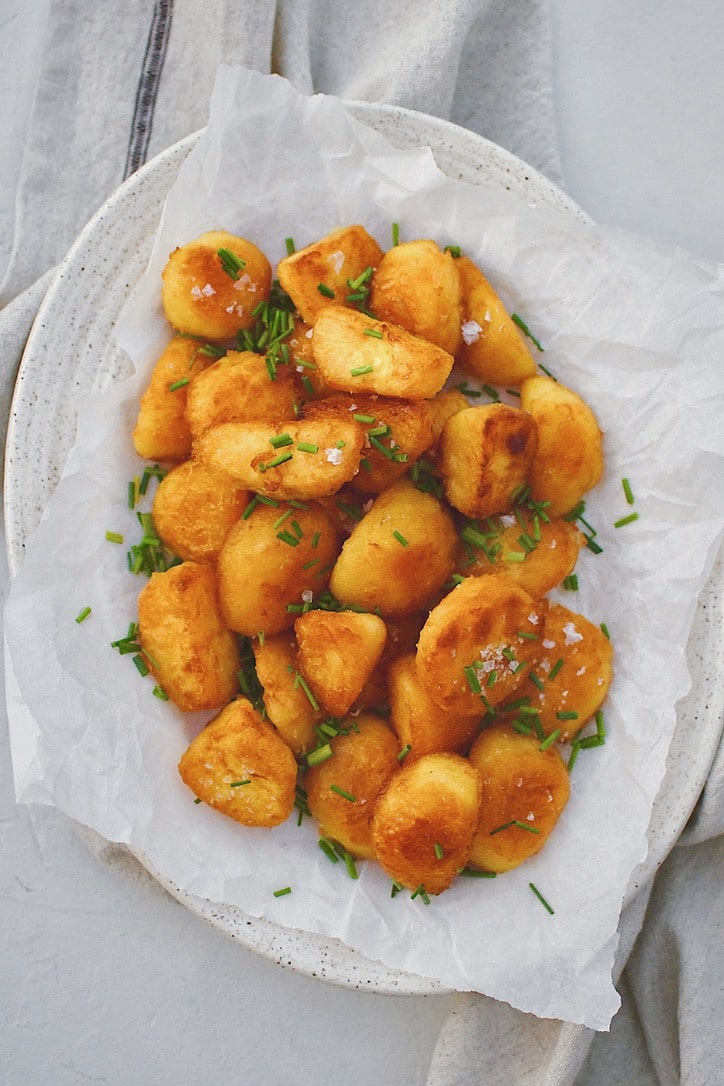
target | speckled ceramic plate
x=71, y=353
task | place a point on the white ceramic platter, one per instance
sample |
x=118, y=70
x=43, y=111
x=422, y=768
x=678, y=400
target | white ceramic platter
x=71, y=353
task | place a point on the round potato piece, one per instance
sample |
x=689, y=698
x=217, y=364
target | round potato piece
x=212, y=285
x=186, y=644
x=398, y=555
x=524, y=790
x=286, y=702
x=194, y=508
x=267, y=566
x=335, y=261
x=239, y=765
x=425, y=821
x=476, y=644
x=569, y=457
x=484, y=455
x=573, y=673
x=342, y=791
x=161, y=431
x=419, y=722
x=493, y=348
x=416, y=285
x=237, y=388
x=337, y=653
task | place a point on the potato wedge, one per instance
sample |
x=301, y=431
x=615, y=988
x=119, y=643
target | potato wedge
x=493, y=347
x=337, y=653
x=194, y=509
x=355, y=353
x=239, y=765
x=484, y=456
x=237, y=388
x=187, y=646
x=419, y=722
x=287, y=705
x=569, y=457
x=211, y=285
x=425, y=821
x=334, y=262
x=161, y=431
x=524, y=790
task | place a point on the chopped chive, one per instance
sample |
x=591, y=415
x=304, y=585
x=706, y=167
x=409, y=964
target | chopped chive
x=625, y=520
x=439, y=851
x=343, y=793
x=575, y=748
x=592, y=545
x=320, y=754
x=289, y=245
x=325, y=290
x=540, y=897
x=400, y=538
x=230, y=262
x=505, y=826
x=604, y=631
x=570, y=583
x=281, y=440
x=471, y=873
x=492, y=678
x=310, y=563
x=626, y=484
x=300, y=681
x=525, y=330
x=473, y=681
x=359, y=371
x=288, y=538
x=421, y=893
x=328, y=849
x=365, y=418
x=513, y=556
x=239, y=784
x=114, y=537
x=132, y=491
x=279, y=460
x=395, y=233
x=197, y=800
x=454, y=250
x=307, y=447
x=404, y=752
x=282, y=893
x=526, y=826
x=176, y=385
x=315, y=540
x=556, y=668
x=82, y=615
x=395, y=889
x=141, y=665
x=550, y=740
x=567, y=715
x=297, y=529
x=160, y=693
x=285, y=516
x=600, y=725
x=374, y=332
x=527, y=635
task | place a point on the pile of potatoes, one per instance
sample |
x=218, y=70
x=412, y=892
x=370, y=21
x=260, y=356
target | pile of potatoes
x=382, y=543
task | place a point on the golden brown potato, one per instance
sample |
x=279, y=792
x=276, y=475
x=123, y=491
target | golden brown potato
x=194, y=508
x=305, y=459
x=443, y=406
x=524, y=791
x=239, y=765
x=569, y=456
x=238, y=388
x=493, y=347
x=161, y=431
x=402, y=634
x=274, y=559
x=287, y=704
x=476, y=644
x=306, y=372
x=398, y=555
x=484, y=456
x=334, y=262
x=416, y=285
x=337, y=653
x=419, y=722
x=397, y=432
x=186, y=645
x=572, y=675
x=534, y=551
x=425, y=821
x=342, y=791
x=355, y=353
x=212, y=285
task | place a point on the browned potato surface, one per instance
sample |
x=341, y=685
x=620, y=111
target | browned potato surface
x=524, y=790
x=194, y=508
x=417, y=286
x=493, y=347
x=186, y=645
x=161, y=431
x=418, y=721
x=239, y=765
x=286, y=702
x=201, y=298
x=443, y=406
x=337, y=653
x=342, y=791
x=425, y=821
x=330, y=262
x=238, y=388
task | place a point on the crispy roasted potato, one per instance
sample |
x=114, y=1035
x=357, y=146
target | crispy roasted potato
x=334, y=262
x=355, y=353
x=271, y=562
x=416, y=285
x=342, y=791
x=569, y=456
x=398, y=555
x=305, y=459
x=286, y=702
x=419, y=722
x=161, y=431
x=493, y=348
x=474, y=647
x=194, y=508
x=425, y=821
x=185, y=642
x=239, y=765
x=524, y=790
x=212, y=285
x=573, y=673
x=484, y=456
x=337, y=653
x=238, y=388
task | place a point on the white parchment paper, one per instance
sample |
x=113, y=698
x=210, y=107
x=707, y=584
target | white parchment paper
x=636, y=329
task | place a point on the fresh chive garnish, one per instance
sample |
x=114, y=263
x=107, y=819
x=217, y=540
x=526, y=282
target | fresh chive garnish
x=239, y=784
x=176, y=385
x=570, y=583
x=556, y=668
x=550, y=740
x=307, y=447
x=471, y=873
x=625, y=520
x=604, y=631
x=454, y=250
x=230, y=262
x=422, y=893
x=567, y=715
x=320, y=754
x=279, y=441
x=114, y=537
x=404, y=752
x=359, y=371
x=325, y=290
x=141, y=665
x=283, y=892
x=283, y=458
x=395, y=233
x=160, y=693
x=400, y=538
x=628, y=492
x=327, y=848
x=289, y=246
x=82, y=615
x=525, y=330
x=439, y=851
x=540, y=897
x=374, y=332
x=343, y=793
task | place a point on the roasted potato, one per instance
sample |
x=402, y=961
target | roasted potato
x=418, y=721
x=416, y=285
x=238, y=388
x=569, y=456
x=212, y=285
x=334, y=263
x=286, y=702
x=484, y=456
x=355, y=353
x=186, y=645
x=493, y=348
x=443, y=406
x=337, y=653
x=398, y=555
x=161, y=431
x=342, y=791
x=524, y=790
x=239, y=765
x=477, y=642
x=273, y=561
x=194, y=508
x=425, y=821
